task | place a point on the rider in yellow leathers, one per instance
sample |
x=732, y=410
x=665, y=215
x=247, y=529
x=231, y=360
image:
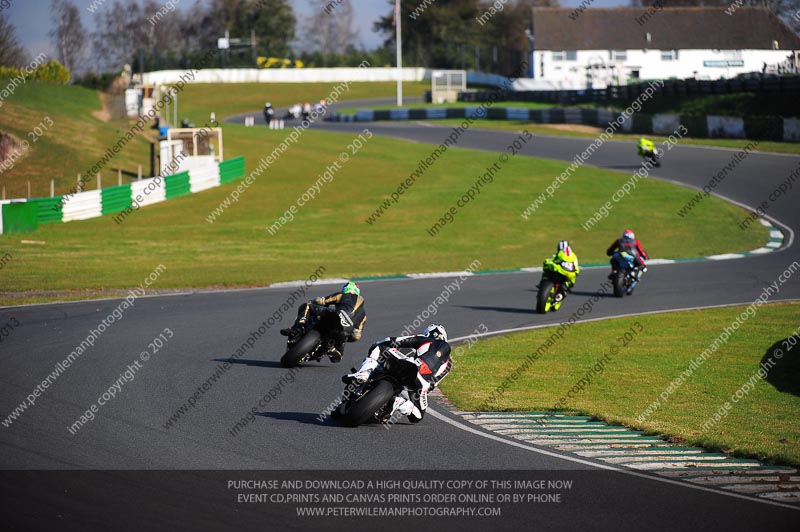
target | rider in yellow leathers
x=564, y=263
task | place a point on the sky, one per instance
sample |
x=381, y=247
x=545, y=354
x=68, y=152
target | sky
x=32, y=18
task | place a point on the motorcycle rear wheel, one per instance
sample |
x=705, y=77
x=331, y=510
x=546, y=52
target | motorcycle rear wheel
x=364, y=408
x=301, y=349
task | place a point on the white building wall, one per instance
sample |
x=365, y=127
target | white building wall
x=690, y=63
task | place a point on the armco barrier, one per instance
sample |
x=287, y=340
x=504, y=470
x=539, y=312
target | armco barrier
x=26, y=215
x=48, y=209
x=116, y=199
x=231, y=169
x=177, y=185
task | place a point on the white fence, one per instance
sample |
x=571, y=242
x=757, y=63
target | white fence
x=285, y=75
x=309, y=75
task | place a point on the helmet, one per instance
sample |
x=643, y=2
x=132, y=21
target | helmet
x=628, y=235
x=267, y=104
x=435, y=331
x=564, y=246
x=351, y=288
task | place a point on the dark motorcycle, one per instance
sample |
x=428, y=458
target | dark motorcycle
x=373, y=400
x=552, y=288
x=624, y=273
x=324, y=328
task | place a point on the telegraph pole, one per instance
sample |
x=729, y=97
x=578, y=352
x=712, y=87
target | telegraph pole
x=399, y=44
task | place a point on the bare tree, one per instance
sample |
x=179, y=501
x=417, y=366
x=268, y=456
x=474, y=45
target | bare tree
x=200, y=27
x=162, y=27
x=69, y=37
x=120, y=33
x=330, y=31
x=11, y=53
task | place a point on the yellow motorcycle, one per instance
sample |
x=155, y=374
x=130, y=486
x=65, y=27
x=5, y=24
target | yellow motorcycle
x=553, y=288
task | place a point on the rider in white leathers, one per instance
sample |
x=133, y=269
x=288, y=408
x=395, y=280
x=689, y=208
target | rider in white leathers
x=433, y=353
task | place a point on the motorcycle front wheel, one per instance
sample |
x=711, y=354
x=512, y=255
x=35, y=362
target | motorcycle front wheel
x=360, y=411
x=619, y=284
x=543, y=297
x=301, y=349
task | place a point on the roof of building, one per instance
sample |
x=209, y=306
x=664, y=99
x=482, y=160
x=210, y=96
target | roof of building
x=679, y=28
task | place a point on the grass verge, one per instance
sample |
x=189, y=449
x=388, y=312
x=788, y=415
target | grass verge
x=761, y=424
x=198, y=100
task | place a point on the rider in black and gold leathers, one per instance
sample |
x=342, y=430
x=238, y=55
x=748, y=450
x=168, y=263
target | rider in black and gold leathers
x=349, y=301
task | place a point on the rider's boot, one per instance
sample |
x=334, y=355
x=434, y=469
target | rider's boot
x=363, y=372
x=298, y=327
x=336, y=353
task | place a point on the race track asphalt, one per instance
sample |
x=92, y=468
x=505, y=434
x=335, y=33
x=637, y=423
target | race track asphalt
x=129, y=436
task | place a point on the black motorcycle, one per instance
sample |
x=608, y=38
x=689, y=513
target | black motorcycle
x=324, y=329
x=373, y=400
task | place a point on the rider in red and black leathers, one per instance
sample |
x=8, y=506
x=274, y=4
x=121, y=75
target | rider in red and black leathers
x=629, y=243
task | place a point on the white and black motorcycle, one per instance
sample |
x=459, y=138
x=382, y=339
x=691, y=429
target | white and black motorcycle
x=373, y=400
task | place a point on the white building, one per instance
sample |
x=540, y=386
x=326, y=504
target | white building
x=603, y=47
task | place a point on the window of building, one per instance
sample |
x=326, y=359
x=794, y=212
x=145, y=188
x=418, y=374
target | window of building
x=565, y=55
x=618, y=55
x=669, y=55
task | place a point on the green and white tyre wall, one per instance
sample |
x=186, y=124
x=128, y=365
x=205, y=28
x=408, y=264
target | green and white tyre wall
x=23, y=215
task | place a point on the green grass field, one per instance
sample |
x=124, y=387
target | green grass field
x=197, y=101
x=77, y=139
x=237, y=249
x=762, y=424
